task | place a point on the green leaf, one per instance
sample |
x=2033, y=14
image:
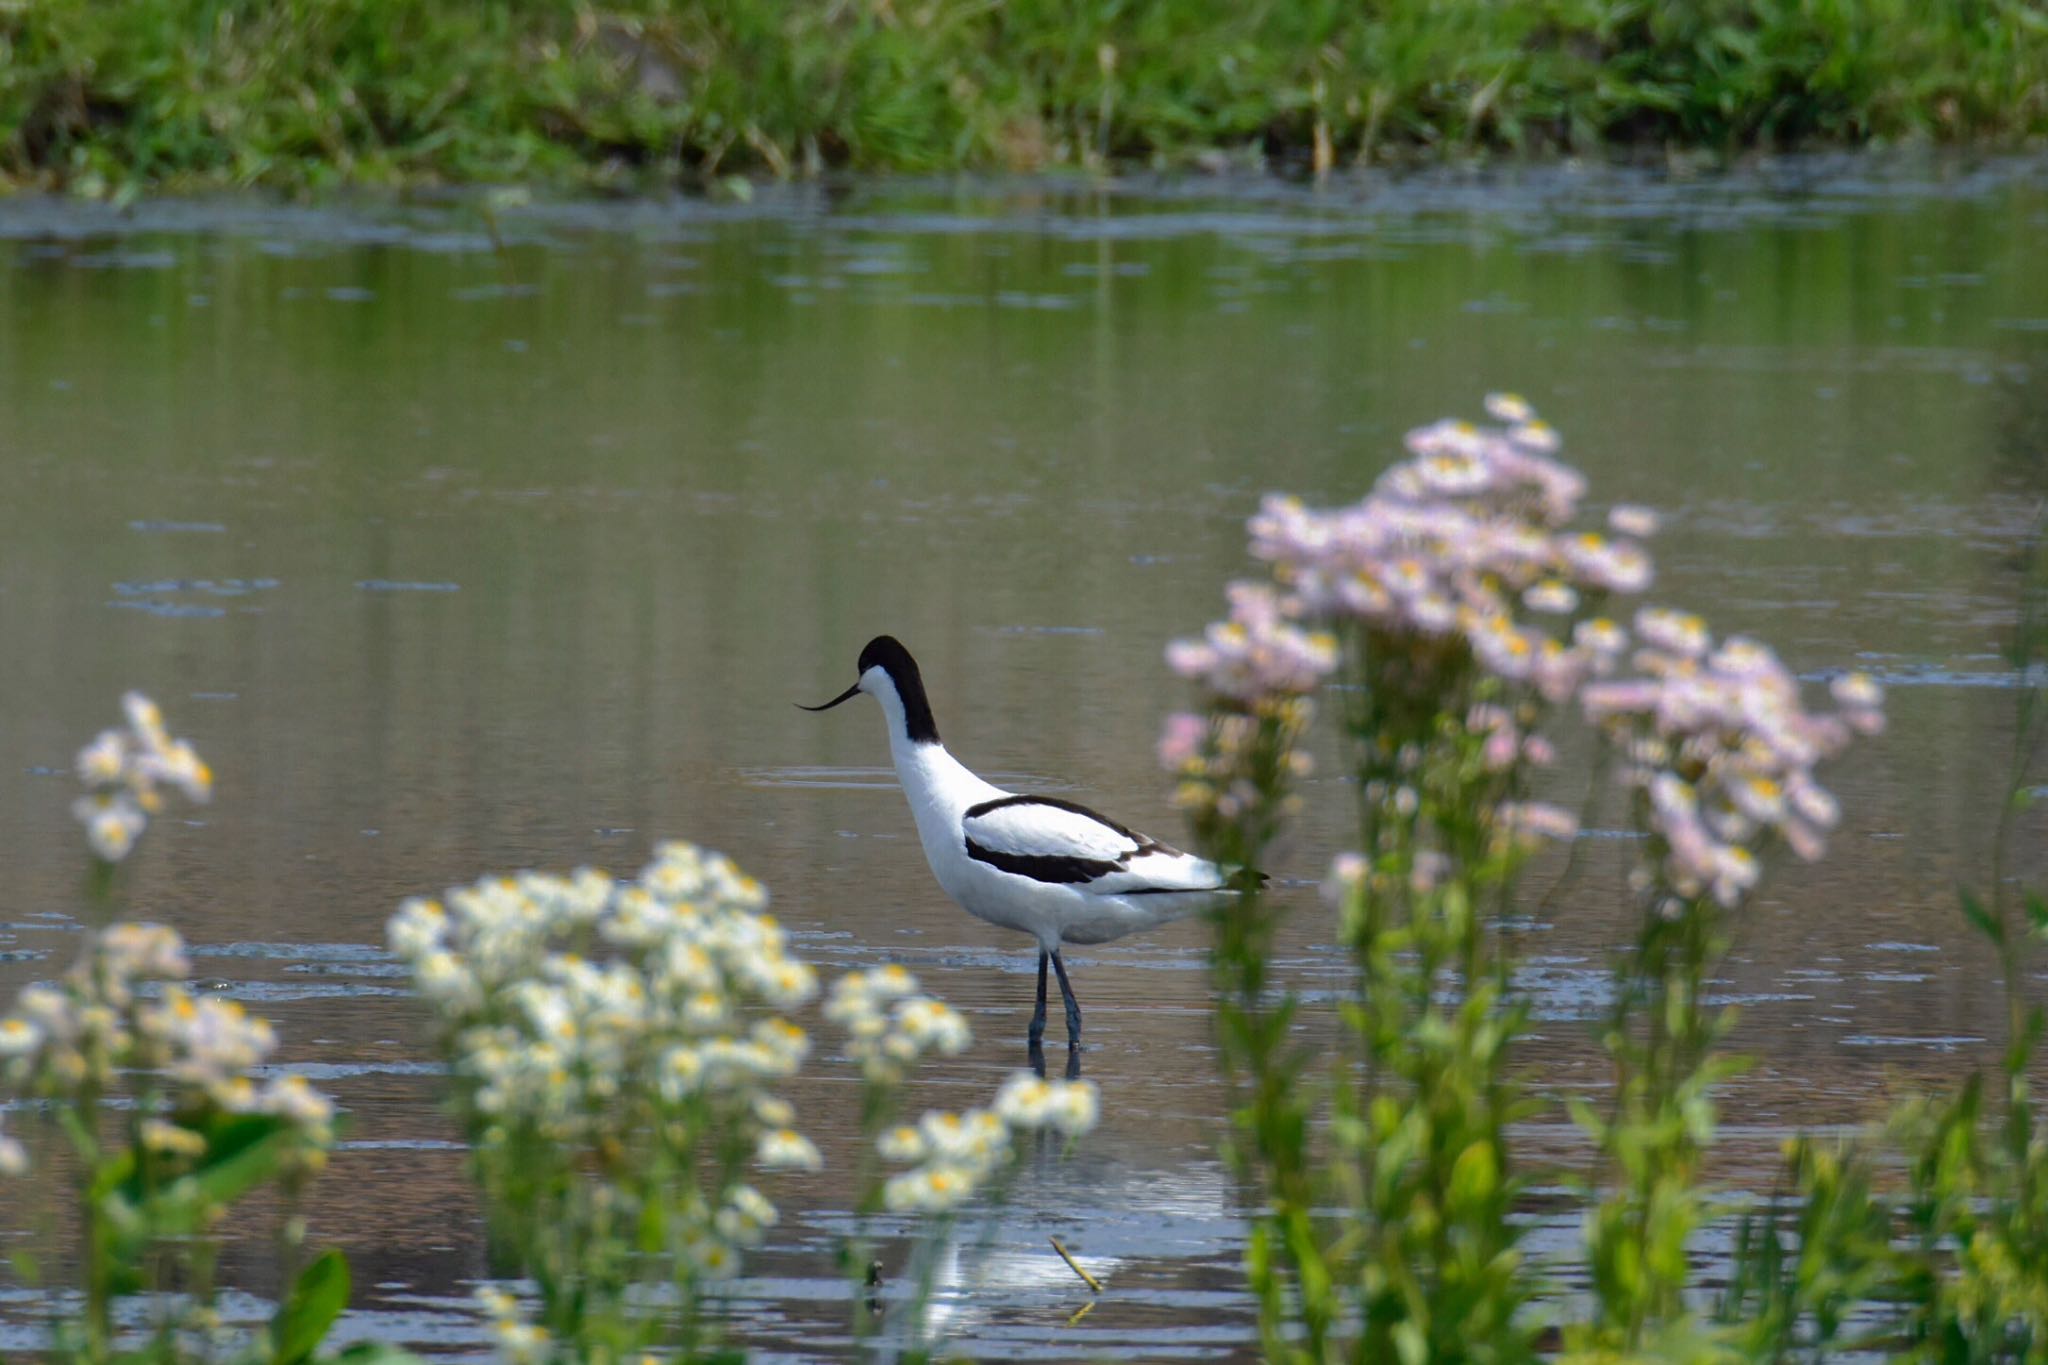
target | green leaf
x=310, y=1309
x=1982, y=920
x=229, y=1140
x=376, y=1353
x=1474, y=1176
x=242, y=1152
x=1589, y=1121
x=1409, y=1343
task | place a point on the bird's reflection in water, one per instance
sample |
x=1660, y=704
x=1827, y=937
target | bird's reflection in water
x=993, y=1280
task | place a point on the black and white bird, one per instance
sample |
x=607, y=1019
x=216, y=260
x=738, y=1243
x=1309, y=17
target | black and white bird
x=1042, y=866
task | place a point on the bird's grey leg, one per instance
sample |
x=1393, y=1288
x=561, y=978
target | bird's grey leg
x=1035, y=1050
x=1038, y=1015
x=1073, y=1005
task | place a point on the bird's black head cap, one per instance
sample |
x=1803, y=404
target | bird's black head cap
x=887, y=653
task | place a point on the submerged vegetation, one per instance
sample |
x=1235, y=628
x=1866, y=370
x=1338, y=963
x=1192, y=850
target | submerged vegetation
x=105, y=95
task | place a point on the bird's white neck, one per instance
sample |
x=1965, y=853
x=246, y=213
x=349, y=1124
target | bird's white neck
x=883, y=688
x=940, y=789
x=938, y=786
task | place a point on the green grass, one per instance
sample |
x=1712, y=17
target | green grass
x=301, y=93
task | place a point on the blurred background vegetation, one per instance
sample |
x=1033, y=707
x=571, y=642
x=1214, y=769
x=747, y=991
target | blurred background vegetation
x=112, y=94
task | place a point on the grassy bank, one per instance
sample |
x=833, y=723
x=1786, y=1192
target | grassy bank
x=296, y=93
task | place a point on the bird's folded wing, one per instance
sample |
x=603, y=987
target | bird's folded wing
x=1158, y=871
x=1039, y=826
x=1051, y=840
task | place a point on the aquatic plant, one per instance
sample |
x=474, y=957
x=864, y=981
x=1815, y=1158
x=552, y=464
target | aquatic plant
x=154, y=1089
x=954, y=1157
x=615, y=1086
x=1955, y=1268
x=1718, y=752
x=890, y=1023
x=617, y=1048
x=1452, y=618
x=125, y=772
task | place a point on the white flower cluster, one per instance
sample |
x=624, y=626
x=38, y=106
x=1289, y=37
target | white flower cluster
x=78, y=1036
x=617, y=1028
x=126, y=772
x=957, y=1153
x=519, y=1342
x=890, y=1024
x=553, y=1038
x=788, y=1150
x=1029, y=1102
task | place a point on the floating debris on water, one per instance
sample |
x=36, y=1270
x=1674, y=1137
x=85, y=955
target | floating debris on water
x=221, y=587
x=342, y=1071
x=172, y=609
x=280, y=992
x=293, y=952
x=480, y=292
x=124, y=260
x=1938, y=1043
x=1094, y=1285
x=178, y=528
x=1935, y=675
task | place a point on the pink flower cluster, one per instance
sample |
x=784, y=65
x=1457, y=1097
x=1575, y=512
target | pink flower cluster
x=1720, y=746
x=1461, y=542
x=1506, y=744
x=1462, y=558
x=1457, y=537
x=1215, y=757
x=1464, y=539
x=1258, y=652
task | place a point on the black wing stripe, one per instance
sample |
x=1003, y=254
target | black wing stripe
x=1039, y=867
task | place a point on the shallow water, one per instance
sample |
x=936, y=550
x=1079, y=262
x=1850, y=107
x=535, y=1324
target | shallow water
x=456, y=558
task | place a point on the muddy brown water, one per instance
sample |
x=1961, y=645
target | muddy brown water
x=455, y=556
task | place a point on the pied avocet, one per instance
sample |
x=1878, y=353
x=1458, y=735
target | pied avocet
x=1042, y=866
